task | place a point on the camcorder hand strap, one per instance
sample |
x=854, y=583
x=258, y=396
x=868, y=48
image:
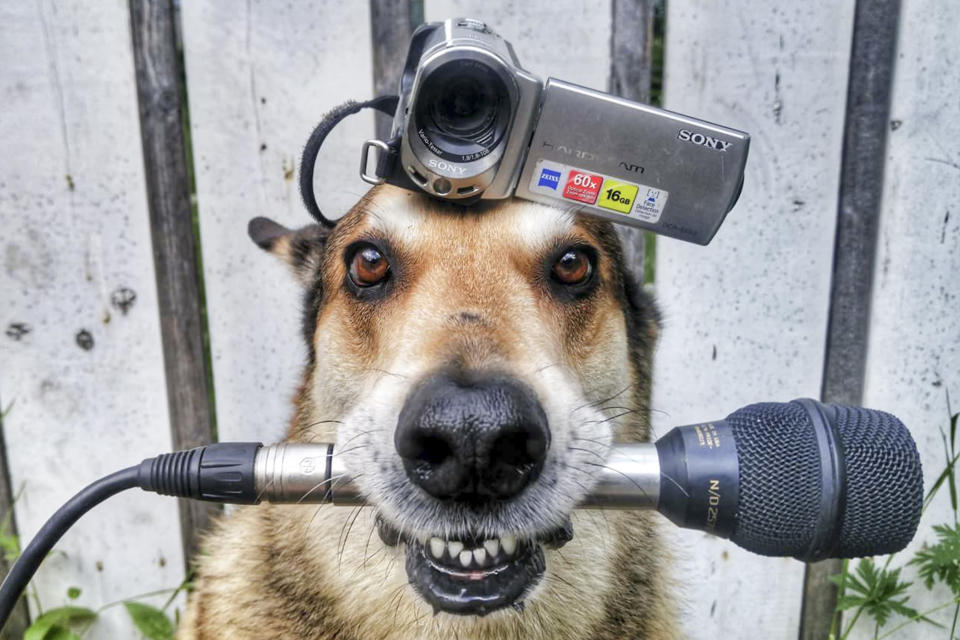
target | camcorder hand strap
x=384, y=104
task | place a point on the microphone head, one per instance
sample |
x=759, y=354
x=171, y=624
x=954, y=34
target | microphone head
x=877, y=493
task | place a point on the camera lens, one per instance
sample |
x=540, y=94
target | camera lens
x=463, y=110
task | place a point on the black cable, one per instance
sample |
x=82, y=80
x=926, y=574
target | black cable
x=221, y=472
x=66, y=516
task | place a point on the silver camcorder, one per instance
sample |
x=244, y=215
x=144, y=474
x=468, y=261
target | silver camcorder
x=472, y=124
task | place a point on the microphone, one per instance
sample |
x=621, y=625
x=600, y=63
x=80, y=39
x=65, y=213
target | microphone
x=799, y=479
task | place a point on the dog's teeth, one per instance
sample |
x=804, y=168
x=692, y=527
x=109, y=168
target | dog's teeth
x=465, y=558
x=436, y=547
x=422, y=539
x=479, y=556
x=454, y=548
x=492, y=547
x=509, y=544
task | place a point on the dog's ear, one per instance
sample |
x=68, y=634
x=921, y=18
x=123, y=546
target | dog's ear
x=300, y=248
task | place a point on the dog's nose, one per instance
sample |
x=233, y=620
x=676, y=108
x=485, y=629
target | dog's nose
x=472, y=439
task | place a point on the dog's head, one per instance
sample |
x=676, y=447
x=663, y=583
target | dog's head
x=473, y=366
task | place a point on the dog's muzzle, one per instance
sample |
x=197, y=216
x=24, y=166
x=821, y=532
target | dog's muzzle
x=477, y=440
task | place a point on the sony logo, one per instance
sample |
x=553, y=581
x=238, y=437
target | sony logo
x=713, y=504
x=702, y=140
x=440, y=165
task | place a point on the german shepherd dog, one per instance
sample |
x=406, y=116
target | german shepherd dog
x=474, y=367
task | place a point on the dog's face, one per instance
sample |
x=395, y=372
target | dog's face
x=473, y=367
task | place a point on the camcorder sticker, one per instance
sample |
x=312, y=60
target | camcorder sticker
x=598, y=191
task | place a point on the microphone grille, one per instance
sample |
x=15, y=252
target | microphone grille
x=884, y=483
x=780, y=480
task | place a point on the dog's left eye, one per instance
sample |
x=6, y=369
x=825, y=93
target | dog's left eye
x=368, y=266
x=573, y=267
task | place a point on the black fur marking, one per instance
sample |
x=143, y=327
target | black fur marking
x=265, y=232
x=312, y=300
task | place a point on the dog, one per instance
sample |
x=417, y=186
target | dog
x=473, y=365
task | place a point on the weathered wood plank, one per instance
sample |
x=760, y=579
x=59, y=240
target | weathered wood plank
x=391, y=25
x=745, y=317
x=87, y=379
x=630, y=65
x=913, y=360
x=20, y=616
x=261, y=75
x=174, y=245
x=858, y=218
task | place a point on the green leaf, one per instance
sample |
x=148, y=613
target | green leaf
x=951, y=469
x=941, y=562
x=10, y=544
x=73, y=592
x=56, y=621
x=877, y=591
x=152, y=622
x=61, y=633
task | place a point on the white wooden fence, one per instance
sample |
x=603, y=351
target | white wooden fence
x=81, y=368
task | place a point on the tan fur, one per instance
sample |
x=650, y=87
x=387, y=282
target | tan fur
x=469, y=290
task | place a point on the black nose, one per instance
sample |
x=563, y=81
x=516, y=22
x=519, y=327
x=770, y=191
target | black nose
x=472, y=439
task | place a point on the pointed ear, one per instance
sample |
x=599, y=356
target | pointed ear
x=300, y=248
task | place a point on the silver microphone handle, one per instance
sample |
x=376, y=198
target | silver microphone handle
x=299, y=473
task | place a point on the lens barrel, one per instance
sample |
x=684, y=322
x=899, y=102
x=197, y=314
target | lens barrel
x=462, y=110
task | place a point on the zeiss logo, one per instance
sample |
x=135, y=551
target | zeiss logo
x=549, y=178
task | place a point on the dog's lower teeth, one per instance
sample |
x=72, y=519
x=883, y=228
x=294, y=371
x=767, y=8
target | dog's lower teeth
x=490, y=551
x=479, y=556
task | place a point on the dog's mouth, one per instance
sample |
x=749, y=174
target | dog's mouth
x=474, y=575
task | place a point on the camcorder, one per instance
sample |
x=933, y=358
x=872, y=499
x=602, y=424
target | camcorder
x=471, y=124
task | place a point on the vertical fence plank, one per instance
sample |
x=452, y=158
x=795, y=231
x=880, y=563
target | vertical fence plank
x=260, y=75
x=391, y=25
x=913, y=359
x=20, y=616
x=80, y=356
x=745, y=317
x=630, y=47
x=174, y=245
x=861, y=185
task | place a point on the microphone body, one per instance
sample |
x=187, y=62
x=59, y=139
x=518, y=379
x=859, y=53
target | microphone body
x=800, y=479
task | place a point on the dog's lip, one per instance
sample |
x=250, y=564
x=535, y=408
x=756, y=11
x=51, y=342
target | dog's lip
x=477, y=592
x=501, y=580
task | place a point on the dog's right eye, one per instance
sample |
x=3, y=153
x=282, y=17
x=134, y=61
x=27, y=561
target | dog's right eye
x=368, y=266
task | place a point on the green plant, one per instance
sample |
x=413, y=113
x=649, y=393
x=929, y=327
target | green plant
x=71, y=621
x=879, y=591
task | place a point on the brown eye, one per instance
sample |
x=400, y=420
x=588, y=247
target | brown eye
x=573, y=267
x=368, y=267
